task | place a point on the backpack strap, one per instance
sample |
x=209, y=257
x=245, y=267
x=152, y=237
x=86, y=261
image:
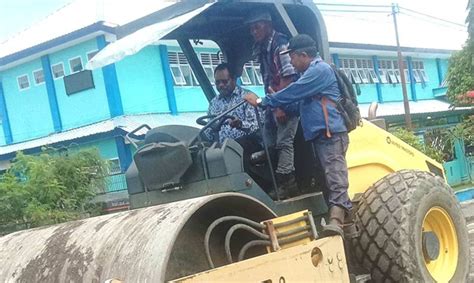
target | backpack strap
x=324, y=102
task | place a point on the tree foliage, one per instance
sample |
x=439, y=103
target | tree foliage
x=460, y=76
x=49, y=188
x=414, y=141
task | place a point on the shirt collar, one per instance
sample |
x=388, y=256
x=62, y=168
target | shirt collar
x=234, y=92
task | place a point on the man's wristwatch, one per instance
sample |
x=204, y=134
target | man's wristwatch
x=259, y=101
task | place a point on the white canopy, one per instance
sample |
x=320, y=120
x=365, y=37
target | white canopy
x=133, y=43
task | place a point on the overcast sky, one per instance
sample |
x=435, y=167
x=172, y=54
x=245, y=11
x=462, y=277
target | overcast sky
x=16, y=15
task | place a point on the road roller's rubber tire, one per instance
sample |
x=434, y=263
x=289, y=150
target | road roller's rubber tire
x=390, y=215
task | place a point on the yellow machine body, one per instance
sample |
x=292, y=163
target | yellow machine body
x=374, y=153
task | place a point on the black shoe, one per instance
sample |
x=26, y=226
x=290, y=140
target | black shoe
x=336, y=222
x=287, y=186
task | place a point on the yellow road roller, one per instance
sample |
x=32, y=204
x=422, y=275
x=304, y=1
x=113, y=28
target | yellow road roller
x=197, y=215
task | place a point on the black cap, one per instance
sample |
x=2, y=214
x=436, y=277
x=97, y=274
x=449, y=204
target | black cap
x=298, y=42
x=258, y=15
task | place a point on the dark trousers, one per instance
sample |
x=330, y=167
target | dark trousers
x=250, y=143
x=331, y=153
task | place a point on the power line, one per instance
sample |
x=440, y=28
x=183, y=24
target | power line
x=379, y=11
x=450, y=26
x=355, y=11
x=432, y=17
x=353, y=5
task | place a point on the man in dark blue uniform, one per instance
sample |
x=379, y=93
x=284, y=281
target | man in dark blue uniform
x=323, y=125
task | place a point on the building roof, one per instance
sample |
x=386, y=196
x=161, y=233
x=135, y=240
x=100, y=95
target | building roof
x=126, y=123
x=376, y=30
x=76, y=16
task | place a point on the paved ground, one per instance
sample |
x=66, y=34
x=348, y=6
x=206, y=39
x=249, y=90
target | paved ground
x=468, y=209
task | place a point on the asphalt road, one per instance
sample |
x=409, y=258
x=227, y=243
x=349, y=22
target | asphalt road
x=468, y=210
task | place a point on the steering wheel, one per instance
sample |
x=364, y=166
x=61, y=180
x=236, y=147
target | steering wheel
x=213, y=122
x=204, y=120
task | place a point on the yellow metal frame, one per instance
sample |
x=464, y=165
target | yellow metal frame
x=374, y=153
x=438, y=221
x=322, y=260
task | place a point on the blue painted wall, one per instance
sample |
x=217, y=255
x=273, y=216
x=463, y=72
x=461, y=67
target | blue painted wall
x=2, y=137
x=425, y=91
x=84, y=107
x=106, y=147
x=368, y=93
x=142, y=84
x=28, y=110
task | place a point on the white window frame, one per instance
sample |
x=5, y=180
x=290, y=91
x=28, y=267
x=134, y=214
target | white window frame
x=363, y=75
x=245, y=77
x=34, y=76
x=391, y=75
x=423, y=75
x=115, y=172
x=210, y=64
x=373, y=76
x=209, y=73
x=416, y=76
x=53, y=73
x=355, y=76
x=91, y=52
x=18, y=82
x=70, y=66
x=258, y=75
x=383, y=76
x=178, y=80
x=407, y=76
x=397, y=74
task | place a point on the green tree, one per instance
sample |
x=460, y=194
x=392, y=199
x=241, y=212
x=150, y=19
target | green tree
x=50, y=188
x=460, y=76
x=414, y=141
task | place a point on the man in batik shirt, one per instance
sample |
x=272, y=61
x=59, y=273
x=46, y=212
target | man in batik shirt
x=244, y=127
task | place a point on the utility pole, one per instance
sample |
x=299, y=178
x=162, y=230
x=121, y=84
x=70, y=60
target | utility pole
x=401, y=67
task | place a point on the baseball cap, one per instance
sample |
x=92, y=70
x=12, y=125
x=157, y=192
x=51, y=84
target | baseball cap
x=298, y=42
x=258, y=16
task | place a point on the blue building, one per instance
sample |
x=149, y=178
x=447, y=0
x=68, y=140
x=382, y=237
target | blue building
x=47, y=98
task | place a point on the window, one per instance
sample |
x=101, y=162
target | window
x=114, y=166
x=423, y=75
x=373, y=76
x=359, y=70
x=258, y=75
x=23, y=82
x=91, y=54
x=407, y=76
x=75, y=64
x=416, y=76
x=245, y=74
x=251, y=74
x=364, y=76
x=58, y=70
x=38, y=76
x=355, y=77
x=397, y=74
x=383, y=76
x=209, y=62
x=391, y=75
x=419, y=72
x=178, y=76
x=181, y=71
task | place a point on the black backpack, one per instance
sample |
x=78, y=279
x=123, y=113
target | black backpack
x=347, y=102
